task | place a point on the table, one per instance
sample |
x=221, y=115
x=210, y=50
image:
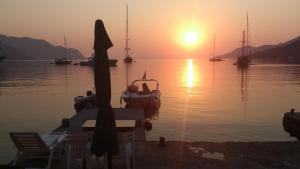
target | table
x=126, y=139
x=121, y=125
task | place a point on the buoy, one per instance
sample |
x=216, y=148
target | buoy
x=147, y=125
x=162, y=141
x=88, y=93
x=292, y=111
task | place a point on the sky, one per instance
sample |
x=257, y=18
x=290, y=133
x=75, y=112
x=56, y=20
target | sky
x=156, y=27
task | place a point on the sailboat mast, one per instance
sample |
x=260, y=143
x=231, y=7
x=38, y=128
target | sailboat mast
x=214, y=45
x=248, y=38
x=126, y=47
x=248, y=50
x=243, y=43
x=65, y=43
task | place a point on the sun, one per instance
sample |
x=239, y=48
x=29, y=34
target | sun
x=190, y=37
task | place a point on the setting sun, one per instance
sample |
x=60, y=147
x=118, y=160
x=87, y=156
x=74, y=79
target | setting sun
x=191, y=37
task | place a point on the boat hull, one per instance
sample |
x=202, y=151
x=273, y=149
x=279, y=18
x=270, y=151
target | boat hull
x=62, y=61
x=147, y=101
x=243, y=61
x=112, y=62
x=128, y=59
x=216, y=59
x=291, y=124
x=82, y=102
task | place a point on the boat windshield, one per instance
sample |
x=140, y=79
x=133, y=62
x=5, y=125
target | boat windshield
x=146, y=86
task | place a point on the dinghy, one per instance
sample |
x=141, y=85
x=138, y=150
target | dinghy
x=145, y=97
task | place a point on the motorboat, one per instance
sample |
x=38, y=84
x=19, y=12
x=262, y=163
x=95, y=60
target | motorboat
x=132, y=96
x=90, y=62
x=145, y=97
x=82, y=102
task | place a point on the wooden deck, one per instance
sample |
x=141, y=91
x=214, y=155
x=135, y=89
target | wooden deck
x=80, y=118
x=208, y=155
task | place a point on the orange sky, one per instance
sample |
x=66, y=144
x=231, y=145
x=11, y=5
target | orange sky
x=154, y=25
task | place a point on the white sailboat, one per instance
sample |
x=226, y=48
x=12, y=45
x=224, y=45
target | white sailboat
x=128, y=58
x=63, y=60
x=214, y=58
x=245, y=57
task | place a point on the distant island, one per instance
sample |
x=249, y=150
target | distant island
x=25, y=48
x=286, y=53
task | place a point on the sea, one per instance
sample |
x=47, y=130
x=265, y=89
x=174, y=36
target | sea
x=200, y=100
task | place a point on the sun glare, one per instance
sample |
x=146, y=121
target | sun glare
x=190, y=37
x=191, y=74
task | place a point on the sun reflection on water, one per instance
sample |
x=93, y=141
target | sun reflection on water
x=191, y=78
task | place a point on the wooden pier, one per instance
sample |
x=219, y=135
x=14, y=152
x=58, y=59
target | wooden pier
x=179, y=155
x=76, y=121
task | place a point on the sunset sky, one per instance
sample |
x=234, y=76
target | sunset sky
x=156, y=27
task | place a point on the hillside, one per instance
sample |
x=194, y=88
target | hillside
x=282, y=53
x=24, y=48
x=286, y=52
x=235, y=53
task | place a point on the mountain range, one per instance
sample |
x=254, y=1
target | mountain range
x=287, y=52
x=25, y=48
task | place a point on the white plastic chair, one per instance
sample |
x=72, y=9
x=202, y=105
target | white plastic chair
x=127, y=148
x=76, y=146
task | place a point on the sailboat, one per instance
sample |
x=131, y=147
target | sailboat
x=245, y=57
x=63, y=60
x=213, y=57
x=90, y=62
x=128, y=58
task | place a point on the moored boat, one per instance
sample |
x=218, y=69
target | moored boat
x=244, y=59
x=63, y=60
x=128, y=58
x=88, y=101
x=214, y=58
x=145, y=97
x=291, y=123
x=90, y=62
x=112, y=62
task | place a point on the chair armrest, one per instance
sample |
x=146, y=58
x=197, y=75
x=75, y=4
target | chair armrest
x=54, y=144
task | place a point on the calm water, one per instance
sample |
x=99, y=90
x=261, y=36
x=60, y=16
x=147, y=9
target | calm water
x=200, y=100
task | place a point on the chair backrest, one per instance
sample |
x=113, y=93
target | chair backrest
x=77, y=144
x=29, y=143
x=126, y=140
